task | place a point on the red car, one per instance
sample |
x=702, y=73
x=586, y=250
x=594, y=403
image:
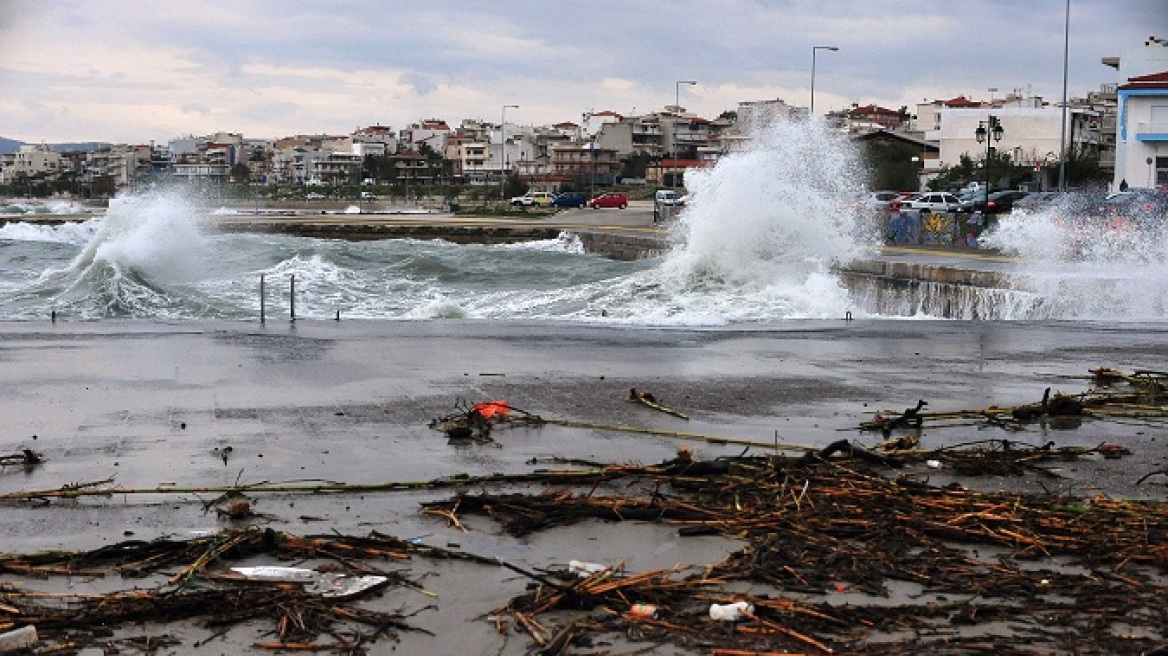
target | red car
x=620, y=201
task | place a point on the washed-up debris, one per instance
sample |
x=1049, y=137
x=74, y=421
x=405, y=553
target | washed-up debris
x=1115, y=395
x=476, y=422
x=303, y=604
x=26, y=458
x=648, y=399
x=326, y=584
x=1054, y=573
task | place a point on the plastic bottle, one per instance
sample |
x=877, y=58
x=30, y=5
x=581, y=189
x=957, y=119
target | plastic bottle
x=644, y=611
x=731, y=612
x=583, y=569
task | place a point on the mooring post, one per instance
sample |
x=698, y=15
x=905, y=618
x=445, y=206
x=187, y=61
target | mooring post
x=292, y=297
x=262, y=306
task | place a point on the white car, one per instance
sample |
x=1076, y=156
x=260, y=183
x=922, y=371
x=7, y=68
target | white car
x=933, y=201
x=533, y=199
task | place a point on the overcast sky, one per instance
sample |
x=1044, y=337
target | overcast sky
x=132, y=71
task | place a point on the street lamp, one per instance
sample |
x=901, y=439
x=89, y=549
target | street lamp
x=813, y=52
x=502, y=153
x=677, y=108
x=987, y=132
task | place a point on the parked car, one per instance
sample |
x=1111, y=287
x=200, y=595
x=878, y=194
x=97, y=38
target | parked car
x=933, y=201
x=1143, y=204
x=533, y=199
x=663, y=202
x=880, y=199
x=570, y=199
x=1003, y=201
x=315, y=196
x=897, y=202
x=368, y=195
x=610, y=199
x=1035, y=200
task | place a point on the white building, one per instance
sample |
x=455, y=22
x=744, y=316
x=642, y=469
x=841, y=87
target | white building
x=1141, y=145
x=1031, y=136
x=31, y=160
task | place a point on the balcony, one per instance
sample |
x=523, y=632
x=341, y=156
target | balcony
x=1157, y=131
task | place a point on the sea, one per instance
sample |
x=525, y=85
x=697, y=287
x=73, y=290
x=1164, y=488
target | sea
x=759, y=241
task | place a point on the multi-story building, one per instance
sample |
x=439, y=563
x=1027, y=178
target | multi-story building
x=1141, y=146
x=30, y=161
x=584, y=164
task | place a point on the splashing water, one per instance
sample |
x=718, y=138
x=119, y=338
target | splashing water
x=1079, y=260
x=765, y=227
x=756, y=243
x=134, y=263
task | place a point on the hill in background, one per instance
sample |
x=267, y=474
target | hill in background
x=11, y=146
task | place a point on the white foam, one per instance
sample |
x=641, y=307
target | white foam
x=1081, y=263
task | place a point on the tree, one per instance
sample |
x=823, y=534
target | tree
x=240, y=173
x=515, y=186
x=890, y=165
x=1083, y=170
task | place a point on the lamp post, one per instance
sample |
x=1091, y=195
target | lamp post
x=677, y=108
x=987, y=132
x=813, y=52
x=502, y=154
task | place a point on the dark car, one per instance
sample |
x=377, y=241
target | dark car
x=570, y=199
x=996, y=203
x=1036, y=200
x=1144, y=205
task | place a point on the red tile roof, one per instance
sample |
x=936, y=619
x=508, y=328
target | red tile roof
x=959, y=101
x=1153, y=81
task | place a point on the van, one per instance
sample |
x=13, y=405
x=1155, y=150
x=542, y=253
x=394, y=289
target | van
x=665, y=203
x=665, y=197
x=368, y=195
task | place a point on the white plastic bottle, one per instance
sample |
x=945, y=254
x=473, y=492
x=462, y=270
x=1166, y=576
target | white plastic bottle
x=731, y=612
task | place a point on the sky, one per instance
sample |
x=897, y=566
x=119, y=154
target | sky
x=135, y=71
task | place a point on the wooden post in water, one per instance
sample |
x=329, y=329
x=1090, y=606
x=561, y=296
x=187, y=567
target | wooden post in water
x=292, y=297
x=262, y=307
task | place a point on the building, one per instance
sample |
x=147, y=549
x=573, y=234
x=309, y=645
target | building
x=30, y=161
x=1141, y=140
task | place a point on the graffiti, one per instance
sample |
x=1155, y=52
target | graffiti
x=939, y=228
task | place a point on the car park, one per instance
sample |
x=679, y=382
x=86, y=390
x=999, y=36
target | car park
x=570, y=199
x=609, y=199
x=933, y=201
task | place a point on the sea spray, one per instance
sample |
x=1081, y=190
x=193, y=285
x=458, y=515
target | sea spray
x=765, y=227
x=1078, y=259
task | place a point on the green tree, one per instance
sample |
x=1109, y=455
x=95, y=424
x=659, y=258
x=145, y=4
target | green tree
x=240, y=173
x=890, y=165
x=515, y=186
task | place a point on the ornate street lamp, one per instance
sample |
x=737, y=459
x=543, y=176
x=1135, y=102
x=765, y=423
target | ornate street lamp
x=987, y=132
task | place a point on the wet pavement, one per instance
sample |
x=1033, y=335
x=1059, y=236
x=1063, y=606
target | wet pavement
x=207, y=403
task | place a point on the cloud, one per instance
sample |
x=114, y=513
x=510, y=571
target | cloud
x=125, y=71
